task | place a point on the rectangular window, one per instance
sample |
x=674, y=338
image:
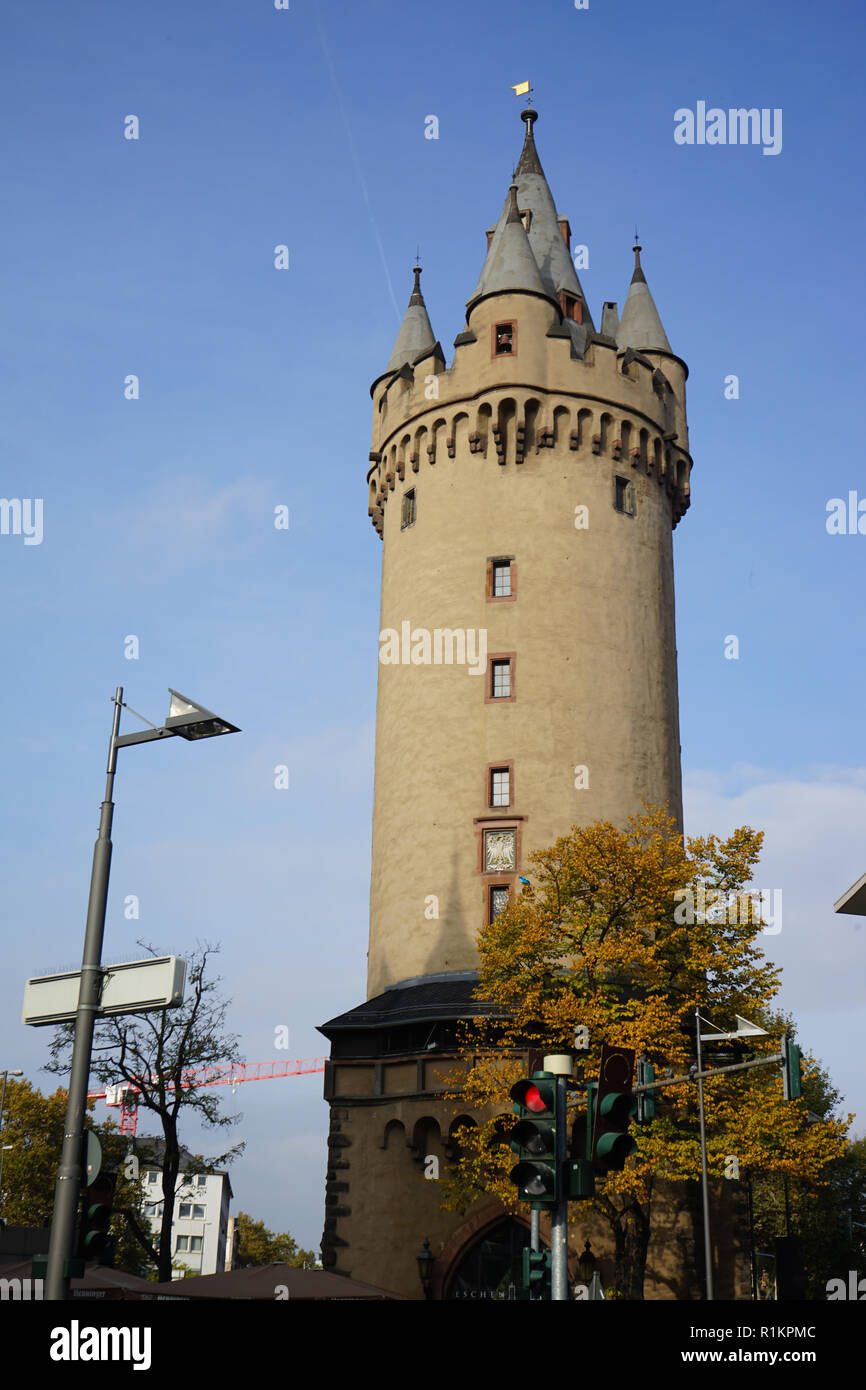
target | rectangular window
x=198, y=1213
x=407, y=515
x=152, y=1177
x=500, y=680
x=184, y=1211
x=182, y=1243
x=195, y=1243
x=202, y=1180
x=499, y=900
x=502, y=579
x=504, y=339
x=500, y=787
x=623, y=496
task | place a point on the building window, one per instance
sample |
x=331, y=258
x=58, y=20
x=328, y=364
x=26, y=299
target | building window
x=184, y=1211
x=201, y=1181
x=500, y=787
x=571, y=307
x=152, y=1177
x=501, y=578
x=500, y=680
x=195, y=1243
x=500, y=896
x=505, y=339
x=182, y=1243
x=407, y=515
x=623, y=496
x=499, y=851
x=198, y=1213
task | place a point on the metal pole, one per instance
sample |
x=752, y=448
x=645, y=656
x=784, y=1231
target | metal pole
x=708, y=1254
x=2, y=1149
x=70, y=1175
x=752, y=1260
x=534, y=1230
x=559, y=1226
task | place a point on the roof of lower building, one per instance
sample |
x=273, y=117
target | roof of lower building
x=414, y=1003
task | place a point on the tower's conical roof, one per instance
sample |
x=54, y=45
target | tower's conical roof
x=510, y=263
x=416, y=333
x=640, y=325
x=545, y=238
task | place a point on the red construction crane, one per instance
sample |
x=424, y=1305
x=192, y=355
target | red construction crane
x=126, y=1093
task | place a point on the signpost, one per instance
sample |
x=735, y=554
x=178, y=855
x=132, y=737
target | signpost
x=131, y=988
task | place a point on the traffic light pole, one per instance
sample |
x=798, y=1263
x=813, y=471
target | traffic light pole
x=559, y=1225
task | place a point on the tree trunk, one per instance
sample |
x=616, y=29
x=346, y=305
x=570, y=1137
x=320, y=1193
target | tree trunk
x=170, y=1169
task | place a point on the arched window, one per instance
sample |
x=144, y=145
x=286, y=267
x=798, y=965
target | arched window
x=492, y=1267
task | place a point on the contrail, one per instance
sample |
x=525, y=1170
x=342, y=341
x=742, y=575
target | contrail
x=361, y=180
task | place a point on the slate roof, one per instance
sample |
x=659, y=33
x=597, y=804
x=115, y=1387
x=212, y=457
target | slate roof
x=413, y=1003
x=416, y=334
x=640, y=325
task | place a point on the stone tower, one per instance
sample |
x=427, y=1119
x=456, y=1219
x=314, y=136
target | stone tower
x=525, y=497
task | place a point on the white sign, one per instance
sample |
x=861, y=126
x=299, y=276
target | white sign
x=132, y=988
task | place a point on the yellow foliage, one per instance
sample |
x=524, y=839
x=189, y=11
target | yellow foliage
x=601, y=939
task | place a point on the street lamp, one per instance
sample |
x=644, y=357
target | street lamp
x=426, y=1261
x=189, y=721
x=587, y=1264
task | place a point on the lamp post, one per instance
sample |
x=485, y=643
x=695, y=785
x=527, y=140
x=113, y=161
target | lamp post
x=587, y=1264
x=187, y=720
x=744, y=1029
x=8, y=1072
x=425, y=1269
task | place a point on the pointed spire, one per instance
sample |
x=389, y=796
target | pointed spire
x=545, y=234
x=416, y=333
x=529, y=163
x=509, y=264
x=640, y=325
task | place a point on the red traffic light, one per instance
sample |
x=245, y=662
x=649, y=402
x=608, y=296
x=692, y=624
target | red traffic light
x=539, y=1097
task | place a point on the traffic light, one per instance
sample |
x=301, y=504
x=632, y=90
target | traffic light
x=792, y=1085
x=96, y=1242
x=533, y=1139
x=646, y=1100
x=536, y=1273
x=614, y=1107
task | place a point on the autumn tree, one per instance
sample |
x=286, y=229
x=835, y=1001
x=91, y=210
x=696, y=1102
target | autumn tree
x=156, y=1053
x=830, y=1218
x=619, y=939
x=259, y=1246
x=33, y=1126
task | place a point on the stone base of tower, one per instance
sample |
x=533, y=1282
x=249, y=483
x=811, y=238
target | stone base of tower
x=391, y=1138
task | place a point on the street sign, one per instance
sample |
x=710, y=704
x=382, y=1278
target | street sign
x=131, y=988
x=92, y=1158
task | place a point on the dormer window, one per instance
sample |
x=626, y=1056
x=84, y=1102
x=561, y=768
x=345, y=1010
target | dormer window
x=505, y=339
x=571, y=307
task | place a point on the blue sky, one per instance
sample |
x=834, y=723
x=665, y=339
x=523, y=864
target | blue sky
x=155, y=257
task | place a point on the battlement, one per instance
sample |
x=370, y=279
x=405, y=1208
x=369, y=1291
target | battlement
x=618, y=404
